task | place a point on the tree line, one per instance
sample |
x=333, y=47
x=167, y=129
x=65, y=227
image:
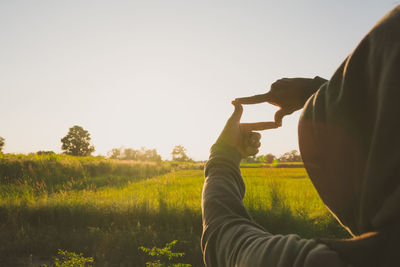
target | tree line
x=178, y=154
x=291, y=156
x=77, y=143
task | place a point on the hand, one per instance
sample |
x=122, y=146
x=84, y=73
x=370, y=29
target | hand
x=290, y=94
x=241, y=135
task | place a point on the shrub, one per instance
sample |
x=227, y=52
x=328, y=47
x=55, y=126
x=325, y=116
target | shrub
x=164, y=253
x=70, y=259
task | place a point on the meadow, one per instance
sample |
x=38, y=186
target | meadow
x=107, y=209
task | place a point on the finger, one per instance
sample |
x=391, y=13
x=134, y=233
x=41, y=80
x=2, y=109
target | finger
x=253, y=99
x=282, y=81
x=254, y=138
x=237, y=113
x=280, y=114
x=259, y=126
x=256, y=145
x=251, y=151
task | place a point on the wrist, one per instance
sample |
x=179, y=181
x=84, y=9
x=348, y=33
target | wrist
x=315, y=84
x=223, y=150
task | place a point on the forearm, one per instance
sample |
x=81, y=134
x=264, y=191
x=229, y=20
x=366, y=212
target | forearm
x=222, y=205
x=231, y=238
x=224, y=188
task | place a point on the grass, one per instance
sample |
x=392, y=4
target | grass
x=110, y=223
x=272, y=165
x=55, y=172
x=284, y=201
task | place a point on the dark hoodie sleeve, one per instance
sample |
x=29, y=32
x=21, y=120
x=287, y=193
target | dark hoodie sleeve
x=316, y=83
x=231, y=238
x=349, y=133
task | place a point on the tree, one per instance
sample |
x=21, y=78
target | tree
x=152, y=155
x=77, y=142
x=251, y=159
x=45, y=152
x=179, y=154
x=292, y=156
x=115, y=153
x=130, y=153
x=141, y=154
x=2, y=143
x=269, y=158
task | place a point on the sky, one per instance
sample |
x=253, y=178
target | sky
x=162, y=73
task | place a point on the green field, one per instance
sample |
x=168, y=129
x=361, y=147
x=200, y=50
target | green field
x=108, y=216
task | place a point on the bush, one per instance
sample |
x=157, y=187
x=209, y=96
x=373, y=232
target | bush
x=70, y=259
x=164, y=253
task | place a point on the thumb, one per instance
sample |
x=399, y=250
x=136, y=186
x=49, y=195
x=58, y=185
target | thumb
x=237, y=113
x=280, y=114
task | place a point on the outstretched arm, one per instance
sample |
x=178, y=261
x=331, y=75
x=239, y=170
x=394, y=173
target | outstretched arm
x=230, y=237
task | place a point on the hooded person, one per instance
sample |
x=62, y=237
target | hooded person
x=350, y=144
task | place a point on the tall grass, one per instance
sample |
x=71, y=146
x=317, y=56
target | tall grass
x=110, y=223
x=55, y=172
x=272, y=165
x=285, y=201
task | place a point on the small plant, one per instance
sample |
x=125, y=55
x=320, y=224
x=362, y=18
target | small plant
x=71, y=259
x=164, y=252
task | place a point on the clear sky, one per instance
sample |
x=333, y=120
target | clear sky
x=162, y=73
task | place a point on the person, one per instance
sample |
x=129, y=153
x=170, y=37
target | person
x=349, y=141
